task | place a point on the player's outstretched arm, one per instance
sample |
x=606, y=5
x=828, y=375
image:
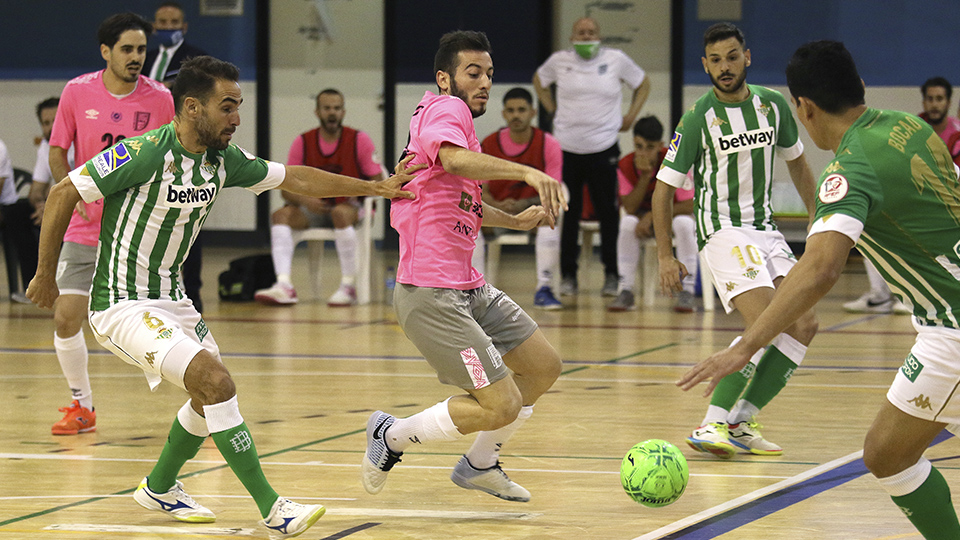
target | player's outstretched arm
x=476, y=166
x=319, y=183
x=527, y=219
x=672, y=271
x=60, y=203
x=806, y=283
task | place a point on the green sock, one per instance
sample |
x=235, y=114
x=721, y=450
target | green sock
x=728, y=390
x=236, y=446
x=180, y=447
x=930, y=509
x=773, y=372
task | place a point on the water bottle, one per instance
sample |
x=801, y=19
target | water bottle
x=389, y=284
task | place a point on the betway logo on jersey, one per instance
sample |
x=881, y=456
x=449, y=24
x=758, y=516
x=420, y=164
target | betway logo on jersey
x=190, y=196
x=748, y=140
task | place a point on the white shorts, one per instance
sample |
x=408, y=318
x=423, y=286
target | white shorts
x=740, y=260
x=927, y=383
x=160, y=337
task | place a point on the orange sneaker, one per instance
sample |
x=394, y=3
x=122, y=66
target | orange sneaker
x=76, y=420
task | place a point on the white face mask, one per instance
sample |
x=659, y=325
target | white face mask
x=586, y=49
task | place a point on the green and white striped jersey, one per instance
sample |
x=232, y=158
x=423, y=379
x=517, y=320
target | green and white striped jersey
x=156, y=196
x=893, y=189
x=730, y=148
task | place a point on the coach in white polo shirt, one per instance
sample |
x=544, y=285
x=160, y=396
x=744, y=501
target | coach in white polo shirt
x=589, y=81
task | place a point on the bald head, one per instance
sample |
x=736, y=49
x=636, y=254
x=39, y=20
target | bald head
x=585, y=29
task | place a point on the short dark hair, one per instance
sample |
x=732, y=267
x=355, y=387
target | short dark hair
x=329, y=92
x=722, y=31
x=198, y=77
x=49, y=103
x=447, y=58
x=518, y=93
x=115, y=25
x=824, y=72
x=171, y=4
x=937, y=81
x=649, y=128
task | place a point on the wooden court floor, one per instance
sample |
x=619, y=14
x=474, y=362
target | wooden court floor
x=309, y=376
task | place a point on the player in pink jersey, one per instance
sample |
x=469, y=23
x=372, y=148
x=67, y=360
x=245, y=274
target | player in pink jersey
x=472, y=334
x=96, y=110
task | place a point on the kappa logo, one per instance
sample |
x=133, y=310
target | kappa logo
x=134, y=145
x=151, y=357
x=921, y=402
x=833, y=167
x=190, y=196
x=748, y=140
x=717, y=122
x=731, y=286
x=833, y=188
x=172, y=169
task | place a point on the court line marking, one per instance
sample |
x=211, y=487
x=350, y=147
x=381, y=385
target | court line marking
x=749, y=497
x=753, y=506
x=152, y=529
x=220, y=464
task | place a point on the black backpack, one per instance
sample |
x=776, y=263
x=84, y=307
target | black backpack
x=245, y=276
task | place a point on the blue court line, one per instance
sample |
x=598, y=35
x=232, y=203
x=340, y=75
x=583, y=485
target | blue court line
x=774, y=502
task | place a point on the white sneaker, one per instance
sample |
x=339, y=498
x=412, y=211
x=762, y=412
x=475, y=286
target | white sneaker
x=712, y=438
x=900, y=308
x=19, y=298
x=174, y=502
x=378, y=458
x=345, y=296
x=868, y=304
x=288, y=519
x=493, y=481
x=280, y=294
x=746, y=436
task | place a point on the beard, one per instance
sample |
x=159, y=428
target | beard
x=737, y=83
x=208, y=136
x=936, y=117
x=455, y=91
x=331, y=125
x=125, y=75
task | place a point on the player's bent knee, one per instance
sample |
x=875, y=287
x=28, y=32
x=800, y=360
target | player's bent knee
x=207, y=380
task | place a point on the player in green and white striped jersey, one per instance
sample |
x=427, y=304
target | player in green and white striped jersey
x=158, y=189
x=892, y=190
x=729, y=140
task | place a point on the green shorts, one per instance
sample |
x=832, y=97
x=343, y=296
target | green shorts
x=463, y=334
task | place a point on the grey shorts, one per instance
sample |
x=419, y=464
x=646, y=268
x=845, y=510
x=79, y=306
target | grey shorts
x=75, y=268
x=463, y=334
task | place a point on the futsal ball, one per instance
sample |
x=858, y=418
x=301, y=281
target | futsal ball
x=654, y=473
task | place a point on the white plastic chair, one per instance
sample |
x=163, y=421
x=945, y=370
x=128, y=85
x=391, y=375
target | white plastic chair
x=369, y=229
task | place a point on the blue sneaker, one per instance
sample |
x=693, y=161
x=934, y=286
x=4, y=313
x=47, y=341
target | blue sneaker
x=544, y=299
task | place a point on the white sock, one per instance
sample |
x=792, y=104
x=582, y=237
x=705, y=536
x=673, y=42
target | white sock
x=742, y=411
x=547, y=250
x=433, y=424
x=715, y=415
x=281, y=249
x=485, y=452
x=879, y=290
x=628, y=252
x=908, y=480
x=191, y=421
x=479, y=260
x=685, y=242
x=72, y=354
x=223, y=416
x=345, y=240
